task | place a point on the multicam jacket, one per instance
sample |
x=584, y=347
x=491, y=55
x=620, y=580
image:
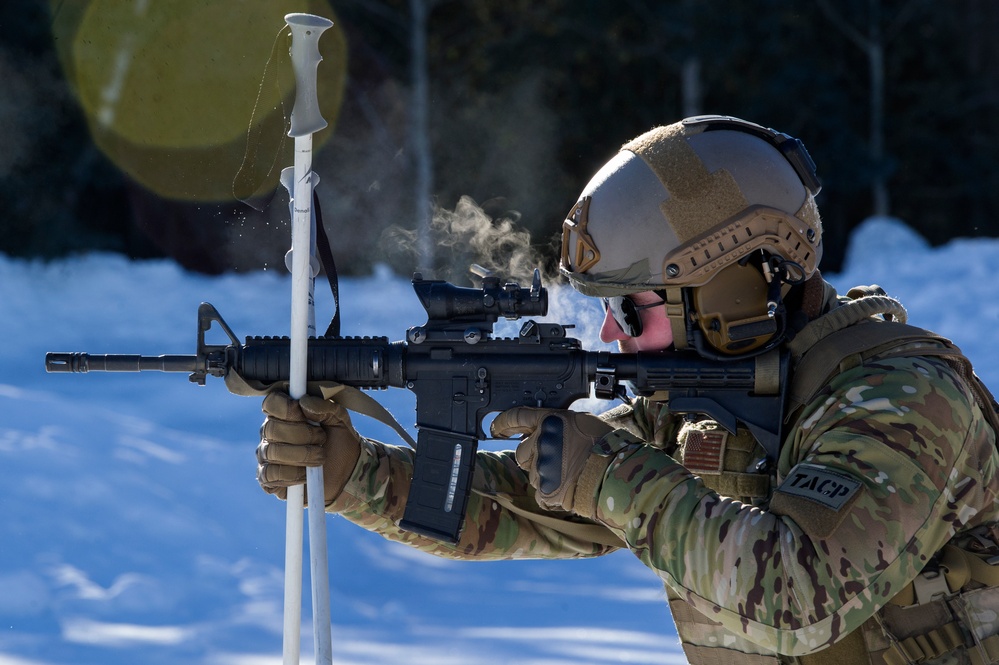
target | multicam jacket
x=888, y=463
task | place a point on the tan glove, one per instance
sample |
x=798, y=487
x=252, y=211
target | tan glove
x=289, y=442
x=558, y=455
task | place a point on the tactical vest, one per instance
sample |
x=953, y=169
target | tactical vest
x=950, y=612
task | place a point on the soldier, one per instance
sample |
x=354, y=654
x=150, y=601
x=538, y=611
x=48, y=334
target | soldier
x=868, y=536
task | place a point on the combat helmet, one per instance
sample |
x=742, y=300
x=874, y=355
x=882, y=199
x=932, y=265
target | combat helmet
x=714, y=213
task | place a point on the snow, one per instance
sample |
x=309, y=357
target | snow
x=133, y=529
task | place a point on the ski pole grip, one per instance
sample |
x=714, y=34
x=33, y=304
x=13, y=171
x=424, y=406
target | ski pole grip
x=305, y=58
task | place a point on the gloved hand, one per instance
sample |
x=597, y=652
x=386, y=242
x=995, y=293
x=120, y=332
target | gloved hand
x=289, y=443
x=558, y=455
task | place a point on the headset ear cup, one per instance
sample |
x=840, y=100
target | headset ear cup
x=731, y=310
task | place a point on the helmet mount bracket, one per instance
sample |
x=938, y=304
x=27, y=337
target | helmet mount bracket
x=583, y=253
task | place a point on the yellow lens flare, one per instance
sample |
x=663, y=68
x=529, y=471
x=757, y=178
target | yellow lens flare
x=172, y=90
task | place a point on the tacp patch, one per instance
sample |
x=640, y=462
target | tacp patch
x=819, y=484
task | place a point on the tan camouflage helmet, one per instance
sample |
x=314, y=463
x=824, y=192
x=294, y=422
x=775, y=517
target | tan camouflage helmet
x=681, y=203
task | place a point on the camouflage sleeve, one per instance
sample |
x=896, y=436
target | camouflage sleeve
x=885, y=466
x=648, y=420
x=503, y=520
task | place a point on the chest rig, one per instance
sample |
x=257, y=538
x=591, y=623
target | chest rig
x=950, y=613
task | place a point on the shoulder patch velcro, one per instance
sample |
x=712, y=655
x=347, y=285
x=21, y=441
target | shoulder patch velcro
x=819, y=484
x=816, y=498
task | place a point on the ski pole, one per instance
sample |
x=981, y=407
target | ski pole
x=305, y=120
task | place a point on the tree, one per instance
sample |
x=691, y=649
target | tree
x=423, y=157
x=872, y=39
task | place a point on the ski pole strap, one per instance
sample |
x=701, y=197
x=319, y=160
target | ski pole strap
x=329, y=265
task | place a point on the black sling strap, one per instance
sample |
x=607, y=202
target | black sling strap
x=326, y=258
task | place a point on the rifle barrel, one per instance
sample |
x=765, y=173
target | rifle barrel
x=87, y=362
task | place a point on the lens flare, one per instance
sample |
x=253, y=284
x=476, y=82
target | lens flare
x=176, y=93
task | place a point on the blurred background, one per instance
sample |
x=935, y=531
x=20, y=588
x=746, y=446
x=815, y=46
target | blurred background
x=156, y=128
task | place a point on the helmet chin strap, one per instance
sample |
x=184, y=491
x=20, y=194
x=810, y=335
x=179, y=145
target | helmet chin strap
x=676, y=311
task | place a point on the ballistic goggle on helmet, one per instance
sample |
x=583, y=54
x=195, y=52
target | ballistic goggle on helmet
x=715, y=214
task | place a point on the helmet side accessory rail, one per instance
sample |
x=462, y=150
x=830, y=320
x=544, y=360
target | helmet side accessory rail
x=757, y=227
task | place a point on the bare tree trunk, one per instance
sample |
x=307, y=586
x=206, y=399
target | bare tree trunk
x=690, y=76
x=872, y=43
x=876, y=61
x=876, y=64
x=690, y=68
x=420, y=133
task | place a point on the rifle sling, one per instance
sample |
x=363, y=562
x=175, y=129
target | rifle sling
x=329, y=265
x=591, y=533
x=361, y=402
x=358, y=401
x=350, y=398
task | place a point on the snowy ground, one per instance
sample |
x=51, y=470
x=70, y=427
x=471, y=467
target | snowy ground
x=132, y=529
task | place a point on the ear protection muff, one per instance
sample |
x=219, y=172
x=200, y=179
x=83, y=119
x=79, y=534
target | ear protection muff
x=731, y=310
x=740, y=312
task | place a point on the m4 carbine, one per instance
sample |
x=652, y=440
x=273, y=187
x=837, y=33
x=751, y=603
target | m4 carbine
x=460, y=373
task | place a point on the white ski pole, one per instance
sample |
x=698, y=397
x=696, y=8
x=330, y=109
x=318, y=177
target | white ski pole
x=305, y=119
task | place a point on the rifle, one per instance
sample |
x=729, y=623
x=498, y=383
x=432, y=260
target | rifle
x=460, y=373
